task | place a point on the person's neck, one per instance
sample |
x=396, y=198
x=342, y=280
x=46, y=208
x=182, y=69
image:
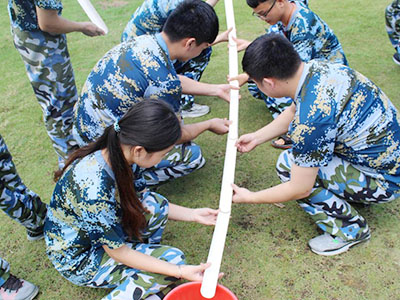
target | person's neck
x=291, y=6
x=172, y=49
x=294, y=81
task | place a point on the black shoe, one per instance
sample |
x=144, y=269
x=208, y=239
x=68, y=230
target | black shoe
x=396, y=58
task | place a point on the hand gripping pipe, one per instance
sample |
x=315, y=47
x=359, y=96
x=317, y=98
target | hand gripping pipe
x=210, y=279
x=93, y=15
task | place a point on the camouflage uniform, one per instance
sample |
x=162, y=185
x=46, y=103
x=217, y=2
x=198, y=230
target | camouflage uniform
x=392, y=16
x=49, y=69
x=131, y=72
x=346, y=126
x=313, y=39
x=17, y=201
x=149, y=18
x=84, y=215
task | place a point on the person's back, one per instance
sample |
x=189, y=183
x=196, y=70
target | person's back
x=131, y=71
x=340, y=111
x=311, y=36
x=149, y=18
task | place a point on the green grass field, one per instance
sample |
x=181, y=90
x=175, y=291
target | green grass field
x=266, y=254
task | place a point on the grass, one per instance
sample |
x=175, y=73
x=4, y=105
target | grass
x=265, y=256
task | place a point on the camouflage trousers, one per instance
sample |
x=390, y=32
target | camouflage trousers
x=392, y=17
x=182, y=160
x=134, y=284
x=275, y=105
x=336, y=185
x=49, y=69
x=193, y=69
x=17, y=201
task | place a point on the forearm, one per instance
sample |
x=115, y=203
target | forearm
x=193, y=87
x=191, y=131
x=279, y=193
x=212, y=2
x=277, y=127
x=49, y=21
x=180, y=213
x=140, y=261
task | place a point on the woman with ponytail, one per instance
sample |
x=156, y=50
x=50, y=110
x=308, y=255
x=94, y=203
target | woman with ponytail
x=102, y=228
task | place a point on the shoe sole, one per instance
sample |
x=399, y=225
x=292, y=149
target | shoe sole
x=396, y=61
x=34, y=238
x=340, y=250
x=34, y=294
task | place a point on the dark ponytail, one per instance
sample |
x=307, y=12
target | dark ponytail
x=151, y=124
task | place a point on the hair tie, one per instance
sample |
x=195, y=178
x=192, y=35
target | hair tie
x=116, y=127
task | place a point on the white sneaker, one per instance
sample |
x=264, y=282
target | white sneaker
x=195, y=111
x=328, y=245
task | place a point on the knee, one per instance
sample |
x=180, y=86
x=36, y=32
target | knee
x=156, y=204
x=193, y=156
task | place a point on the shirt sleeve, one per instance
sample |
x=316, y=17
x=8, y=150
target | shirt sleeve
x=49, y=4
x=313, y=129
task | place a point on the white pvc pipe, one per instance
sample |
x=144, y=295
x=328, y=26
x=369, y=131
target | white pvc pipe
x=210, y=279
x=93, y=15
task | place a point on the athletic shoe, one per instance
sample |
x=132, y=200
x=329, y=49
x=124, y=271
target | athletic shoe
x=18, y=289
x=34, y=236
x=396, y=58
x=195, y=111
x=328, y=245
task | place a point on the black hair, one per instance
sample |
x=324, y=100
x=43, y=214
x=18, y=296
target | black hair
x=192, y=19
x=151, y=124
x=255, y=3
x=271, y=56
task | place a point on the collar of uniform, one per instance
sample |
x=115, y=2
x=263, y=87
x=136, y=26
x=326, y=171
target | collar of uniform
x=162, y=44
x=302, y=79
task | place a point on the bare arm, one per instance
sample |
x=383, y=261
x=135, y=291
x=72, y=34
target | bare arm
x=191, y=131
x=277, y=127
x=299, y=186
x=140, y=261
x=49, y=21
x=212, y=2
x=205, y=216
x=193, y=87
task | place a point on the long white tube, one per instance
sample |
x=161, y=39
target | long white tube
x=93, y=15
x=210, y=279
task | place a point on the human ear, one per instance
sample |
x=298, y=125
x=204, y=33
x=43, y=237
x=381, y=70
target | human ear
x=269, y=82
x=137, y=151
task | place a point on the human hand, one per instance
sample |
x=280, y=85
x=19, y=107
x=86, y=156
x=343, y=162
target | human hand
x=241, y=44
x=222, y=37
x=219, y=126
x=241, y=78
x=205, y=216
x=223, y=91
x=195, y=273
x=240, y=195
x=246, y=142
x=90, y=29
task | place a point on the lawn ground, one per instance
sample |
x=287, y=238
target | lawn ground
x=266, y=256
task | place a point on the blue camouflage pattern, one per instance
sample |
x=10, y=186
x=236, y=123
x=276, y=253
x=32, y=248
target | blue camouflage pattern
x=18, y=202
x=392, y=18
x=340, y=111
x=49, y=70
x=23, y=12
x=130, y=72
x=312, y=39
x=337, y=185
x=85, y=214
x=348, y=128
x=4, y=271
x=149, y=18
